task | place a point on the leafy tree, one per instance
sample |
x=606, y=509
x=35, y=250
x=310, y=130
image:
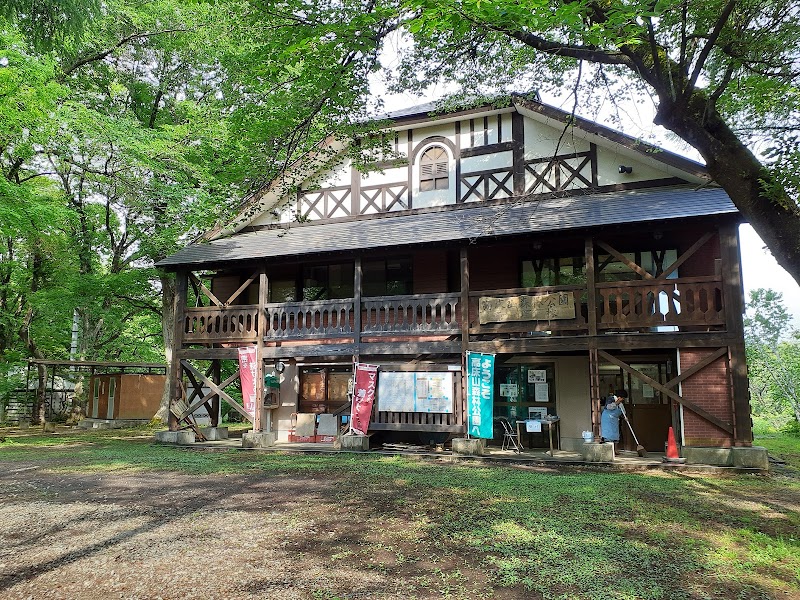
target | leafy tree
x=145, y=123
x=773, y=356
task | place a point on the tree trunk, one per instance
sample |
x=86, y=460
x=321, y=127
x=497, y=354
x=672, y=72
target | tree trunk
x=734, y=167
x=167, y=327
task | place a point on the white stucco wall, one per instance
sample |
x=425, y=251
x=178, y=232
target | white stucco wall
x=573, y=399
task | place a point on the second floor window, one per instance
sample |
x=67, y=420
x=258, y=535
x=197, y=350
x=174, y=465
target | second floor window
x=434, y=170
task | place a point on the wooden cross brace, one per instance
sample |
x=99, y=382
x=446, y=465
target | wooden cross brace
x=194, y=375
x=665, y=389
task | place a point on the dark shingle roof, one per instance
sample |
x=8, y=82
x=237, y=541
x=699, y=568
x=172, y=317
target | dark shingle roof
x=476, y=221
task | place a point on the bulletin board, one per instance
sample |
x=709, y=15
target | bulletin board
x=426, y=392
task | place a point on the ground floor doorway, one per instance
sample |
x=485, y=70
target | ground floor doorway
x=650, y=411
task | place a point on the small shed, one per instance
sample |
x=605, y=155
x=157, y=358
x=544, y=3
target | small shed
x=123, y=396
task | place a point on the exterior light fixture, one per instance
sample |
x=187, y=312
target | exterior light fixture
x=280, y=367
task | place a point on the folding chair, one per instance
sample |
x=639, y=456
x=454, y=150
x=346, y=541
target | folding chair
x=510, y=439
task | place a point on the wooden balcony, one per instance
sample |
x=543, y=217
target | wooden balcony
x=410, y=315
x=652, y=306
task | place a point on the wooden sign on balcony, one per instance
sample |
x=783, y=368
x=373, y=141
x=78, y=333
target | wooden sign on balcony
x=547, y=307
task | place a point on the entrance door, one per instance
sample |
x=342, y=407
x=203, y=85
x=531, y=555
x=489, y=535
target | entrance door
x=95, y=397
x=112, y=392
x=648, y=410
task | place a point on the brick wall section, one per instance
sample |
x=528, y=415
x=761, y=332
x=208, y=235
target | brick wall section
x=710, y=389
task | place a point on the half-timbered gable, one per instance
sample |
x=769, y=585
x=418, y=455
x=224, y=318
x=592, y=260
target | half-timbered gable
x=457, y=234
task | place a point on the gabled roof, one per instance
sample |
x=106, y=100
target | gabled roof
x=461, y=222
x=268, y=196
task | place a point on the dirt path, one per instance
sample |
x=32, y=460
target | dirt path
x=170, y=535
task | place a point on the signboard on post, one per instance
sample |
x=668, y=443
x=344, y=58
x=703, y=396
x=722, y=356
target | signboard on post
x=247, y=375
x=480, y=391
x=363, y=397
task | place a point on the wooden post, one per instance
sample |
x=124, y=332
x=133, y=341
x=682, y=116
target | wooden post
x=216, y=377
x=263, y=282
x=518, y=152
x=734, y=307
x=591, y=289
x=595, y=391
x=464, y=255
x=176, y=371
x=357, y=308
x=594, y=361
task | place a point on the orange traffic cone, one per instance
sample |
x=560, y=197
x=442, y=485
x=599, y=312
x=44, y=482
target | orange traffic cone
x=672, y=449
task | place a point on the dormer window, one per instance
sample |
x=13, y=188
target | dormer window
x=434, y=170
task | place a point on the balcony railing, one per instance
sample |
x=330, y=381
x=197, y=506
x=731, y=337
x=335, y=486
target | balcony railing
x=418, y=314
x=688, y=302
x=691, y=301
x=213, y=324
x=303, y=320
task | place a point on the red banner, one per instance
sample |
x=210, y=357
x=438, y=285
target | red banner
x=363, y=397
x=247, y=374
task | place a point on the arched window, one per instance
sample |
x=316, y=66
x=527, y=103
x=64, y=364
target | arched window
x=434, y=170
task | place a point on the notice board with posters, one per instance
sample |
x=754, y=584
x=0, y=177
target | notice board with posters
x=408, y=391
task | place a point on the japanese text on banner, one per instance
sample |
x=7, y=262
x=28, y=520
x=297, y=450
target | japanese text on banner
x=480, y=394
x=247, y=374
x=363, y=397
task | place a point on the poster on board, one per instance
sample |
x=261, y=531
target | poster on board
x=542, y=392
x=537, y=376
x=407, y=391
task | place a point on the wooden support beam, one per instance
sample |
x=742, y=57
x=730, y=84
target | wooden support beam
x=672, y=383
x=733, y=300
x=591, y=281
x=687, y=255
x=175, y=371
x=625, y=260
x=357, y=278
x=205, y=290
x=218, y=389
x=193, y=406
x=263, y=283
x=216, y=377
x=242, y=288
x=518, y=152
x=664, y=390
x=595, y=391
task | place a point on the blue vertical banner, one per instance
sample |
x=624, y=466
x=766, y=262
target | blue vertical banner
x=480, y=394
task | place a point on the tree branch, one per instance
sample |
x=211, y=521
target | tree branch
x=104, y=53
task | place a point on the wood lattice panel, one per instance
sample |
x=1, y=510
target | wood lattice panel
x=560, y=173
x=383, y=198
x=487, y=185
x=324, y=204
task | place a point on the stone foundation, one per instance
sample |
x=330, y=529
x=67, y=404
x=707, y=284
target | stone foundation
x=469, y=447
x=755, y=457
x=355, y=443
x=213, y=434
x=720, y=457
x=258, y=439
x=597, y=452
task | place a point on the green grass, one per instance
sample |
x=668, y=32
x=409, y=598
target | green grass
x=784, y=447
x=565, y=535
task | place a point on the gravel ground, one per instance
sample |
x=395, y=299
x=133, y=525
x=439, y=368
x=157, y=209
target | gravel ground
x=171, y=535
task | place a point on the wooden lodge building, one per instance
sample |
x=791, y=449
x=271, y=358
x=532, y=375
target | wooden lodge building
x=584, y=259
